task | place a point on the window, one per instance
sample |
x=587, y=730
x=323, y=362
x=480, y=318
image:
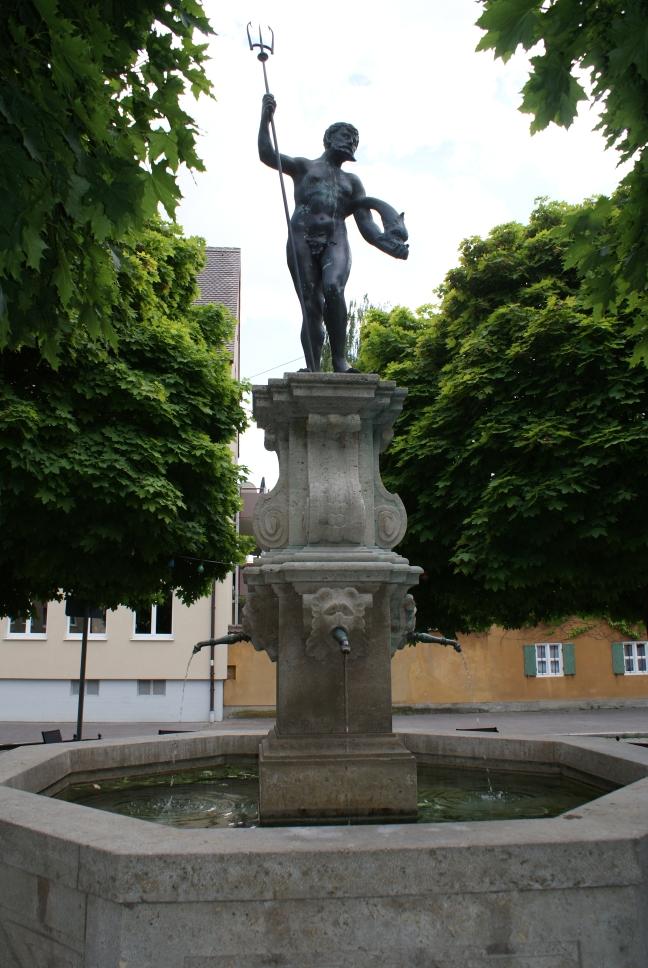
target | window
x=549, y=660
x=545, y=659
x=630, y=658
x=91, y=687
x=154, y=622
x=96, y=627
x=35, y=626
x=151, y=687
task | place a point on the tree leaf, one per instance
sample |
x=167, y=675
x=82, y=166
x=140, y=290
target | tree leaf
x=509, y=23
x=34, y=246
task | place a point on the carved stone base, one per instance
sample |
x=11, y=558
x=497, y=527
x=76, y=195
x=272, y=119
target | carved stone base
x=336, y=779
x=327, y=531
x=295, y=600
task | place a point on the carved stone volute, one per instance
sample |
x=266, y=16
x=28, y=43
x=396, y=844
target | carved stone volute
x=328, y=430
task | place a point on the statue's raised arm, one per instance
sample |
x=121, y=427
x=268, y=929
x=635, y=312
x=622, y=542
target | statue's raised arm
x=267, y=152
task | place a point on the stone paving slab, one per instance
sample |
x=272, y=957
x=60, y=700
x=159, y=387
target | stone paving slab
x=624, y=721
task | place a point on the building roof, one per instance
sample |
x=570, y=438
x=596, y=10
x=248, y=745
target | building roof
x=220, y=280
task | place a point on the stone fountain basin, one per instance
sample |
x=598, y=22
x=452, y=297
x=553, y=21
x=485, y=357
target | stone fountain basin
x=81, y=888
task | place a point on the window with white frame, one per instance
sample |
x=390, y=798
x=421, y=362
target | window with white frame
x=151, y=687
x=545, y=659
x=96, y=626
x=155, y=621
x=32, y=627
x=549, y=660
x=91, y=687
x=635, y=657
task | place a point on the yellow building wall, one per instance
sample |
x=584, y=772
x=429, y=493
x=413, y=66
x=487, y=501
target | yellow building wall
x=489, y=669
x=256, y=677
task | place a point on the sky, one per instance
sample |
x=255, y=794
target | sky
x=440, y=139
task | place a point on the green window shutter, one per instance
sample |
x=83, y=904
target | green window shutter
x=530, y=667
x=618, y=659
x=569, y=659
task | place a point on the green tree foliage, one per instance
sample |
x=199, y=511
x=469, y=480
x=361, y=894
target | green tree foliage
x=596, y=50
x=522, y=452
x=116, y=474
x=91, y=137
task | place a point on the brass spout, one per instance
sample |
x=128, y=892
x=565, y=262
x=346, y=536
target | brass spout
x=426, y=638
x=341, y=636
x=230, y=639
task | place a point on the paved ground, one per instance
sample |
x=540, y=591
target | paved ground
x=625, y=721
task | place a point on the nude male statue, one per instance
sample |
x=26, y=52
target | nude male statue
x=325, y=196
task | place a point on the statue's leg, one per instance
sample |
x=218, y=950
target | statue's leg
x=336, y=265
x=312, y=333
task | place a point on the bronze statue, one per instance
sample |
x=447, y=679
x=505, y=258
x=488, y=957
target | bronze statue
x=318, y=253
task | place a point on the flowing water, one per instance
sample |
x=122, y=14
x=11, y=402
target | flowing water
x=184, y=686
x=227, y=796
x=469, y=678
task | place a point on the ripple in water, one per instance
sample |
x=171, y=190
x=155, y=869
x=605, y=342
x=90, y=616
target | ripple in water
x=222, y=796
x=227, y=796
x=447, y=795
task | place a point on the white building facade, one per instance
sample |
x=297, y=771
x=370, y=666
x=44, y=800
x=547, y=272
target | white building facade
x=132, y=674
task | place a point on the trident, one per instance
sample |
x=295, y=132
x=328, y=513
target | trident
x=264, y=52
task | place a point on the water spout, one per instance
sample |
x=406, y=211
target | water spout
x=230, y=639
x=414, y=637
x=341, y=636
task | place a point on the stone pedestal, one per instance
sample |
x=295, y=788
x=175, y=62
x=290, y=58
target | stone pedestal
x=327, y=530
x=332, y=778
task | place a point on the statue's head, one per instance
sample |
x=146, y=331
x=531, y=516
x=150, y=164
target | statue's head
x=342, y=137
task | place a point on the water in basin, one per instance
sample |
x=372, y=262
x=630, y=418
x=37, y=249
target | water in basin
x=227, y=795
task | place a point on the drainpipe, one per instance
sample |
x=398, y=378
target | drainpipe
x=212, y=634
x=235, y=616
